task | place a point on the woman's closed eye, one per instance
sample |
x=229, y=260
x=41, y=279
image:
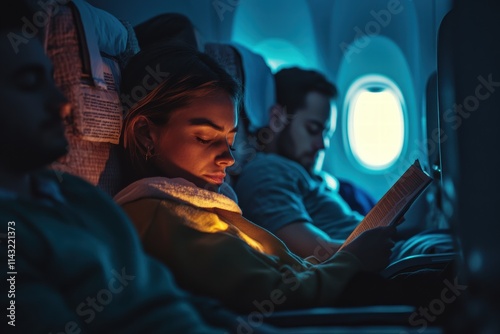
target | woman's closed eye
x=207, y=141
x=203, y=141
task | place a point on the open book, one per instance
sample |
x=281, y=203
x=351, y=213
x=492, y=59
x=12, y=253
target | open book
x=396, y=201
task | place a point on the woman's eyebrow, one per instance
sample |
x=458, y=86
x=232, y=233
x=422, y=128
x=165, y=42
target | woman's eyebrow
x=208, y=122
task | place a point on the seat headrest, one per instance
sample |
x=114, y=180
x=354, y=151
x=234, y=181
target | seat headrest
x=166, y=28
x=228, y=57
x=251, y=70
x=89, y=77
x=260, y=92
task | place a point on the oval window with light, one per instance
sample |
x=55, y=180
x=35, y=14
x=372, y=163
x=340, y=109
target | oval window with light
x=375, y=126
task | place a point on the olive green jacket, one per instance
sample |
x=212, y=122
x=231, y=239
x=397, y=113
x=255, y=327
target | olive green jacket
x=213, y=250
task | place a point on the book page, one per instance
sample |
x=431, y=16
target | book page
x=395, y=202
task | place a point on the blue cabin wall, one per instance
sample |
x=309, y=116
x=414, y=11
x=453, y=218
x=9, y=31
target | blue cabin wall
x=316, y=34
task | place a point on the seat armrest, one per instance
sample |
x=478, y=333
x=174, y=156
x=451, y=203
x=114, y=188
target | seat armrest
x=416, y=262
x=343, y=316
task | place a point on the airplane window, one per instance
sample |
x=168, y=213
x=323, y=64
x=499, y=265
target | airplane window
x=375, y=127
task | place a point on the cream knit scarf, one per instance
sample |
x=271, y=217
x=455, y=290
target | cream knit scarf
x=180, y=190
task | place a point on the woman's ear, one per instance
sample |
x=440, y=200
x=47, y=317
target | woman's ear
x=277, y=118
x=145, y=132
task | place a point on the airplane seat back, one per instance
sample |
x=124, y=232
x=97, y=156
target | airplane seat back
x=444, y=135
x=87, y=55
x=167, y=27
x=441, y=144
x=251, y=70
x=474, y=57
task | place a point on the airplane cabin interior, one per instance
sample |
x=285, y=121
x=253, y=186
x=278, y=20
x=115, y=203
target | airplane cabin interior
x=416, y=80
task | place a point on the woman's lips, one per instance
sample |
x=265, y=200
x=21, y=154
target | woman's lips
x=217, y=178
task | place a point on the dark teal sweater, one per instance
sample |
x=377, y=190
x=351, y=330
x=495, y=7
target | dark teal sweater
x=80, y=266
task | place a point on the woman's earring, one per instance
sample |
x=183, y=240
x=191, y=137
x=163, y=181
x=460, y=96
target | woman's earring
x=149, y=153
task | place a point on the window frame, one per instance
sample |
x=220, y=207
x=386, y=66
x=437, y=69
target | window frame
x=367, y=83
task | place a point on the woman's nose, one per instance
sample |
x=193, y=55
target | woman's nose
x=226, y=158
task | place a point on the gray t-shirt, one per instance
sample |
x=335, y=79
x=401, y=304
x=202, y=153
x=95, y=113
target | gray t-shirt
x=274, y=191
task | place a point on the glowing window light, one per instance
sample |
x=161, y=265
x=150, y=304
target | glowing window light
x=376, y=128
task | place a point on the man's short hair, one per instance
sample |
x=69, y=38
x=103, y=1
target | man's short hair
x=293, y=84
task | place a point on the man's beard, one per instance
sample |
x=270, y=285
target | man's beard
x=286, y=148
